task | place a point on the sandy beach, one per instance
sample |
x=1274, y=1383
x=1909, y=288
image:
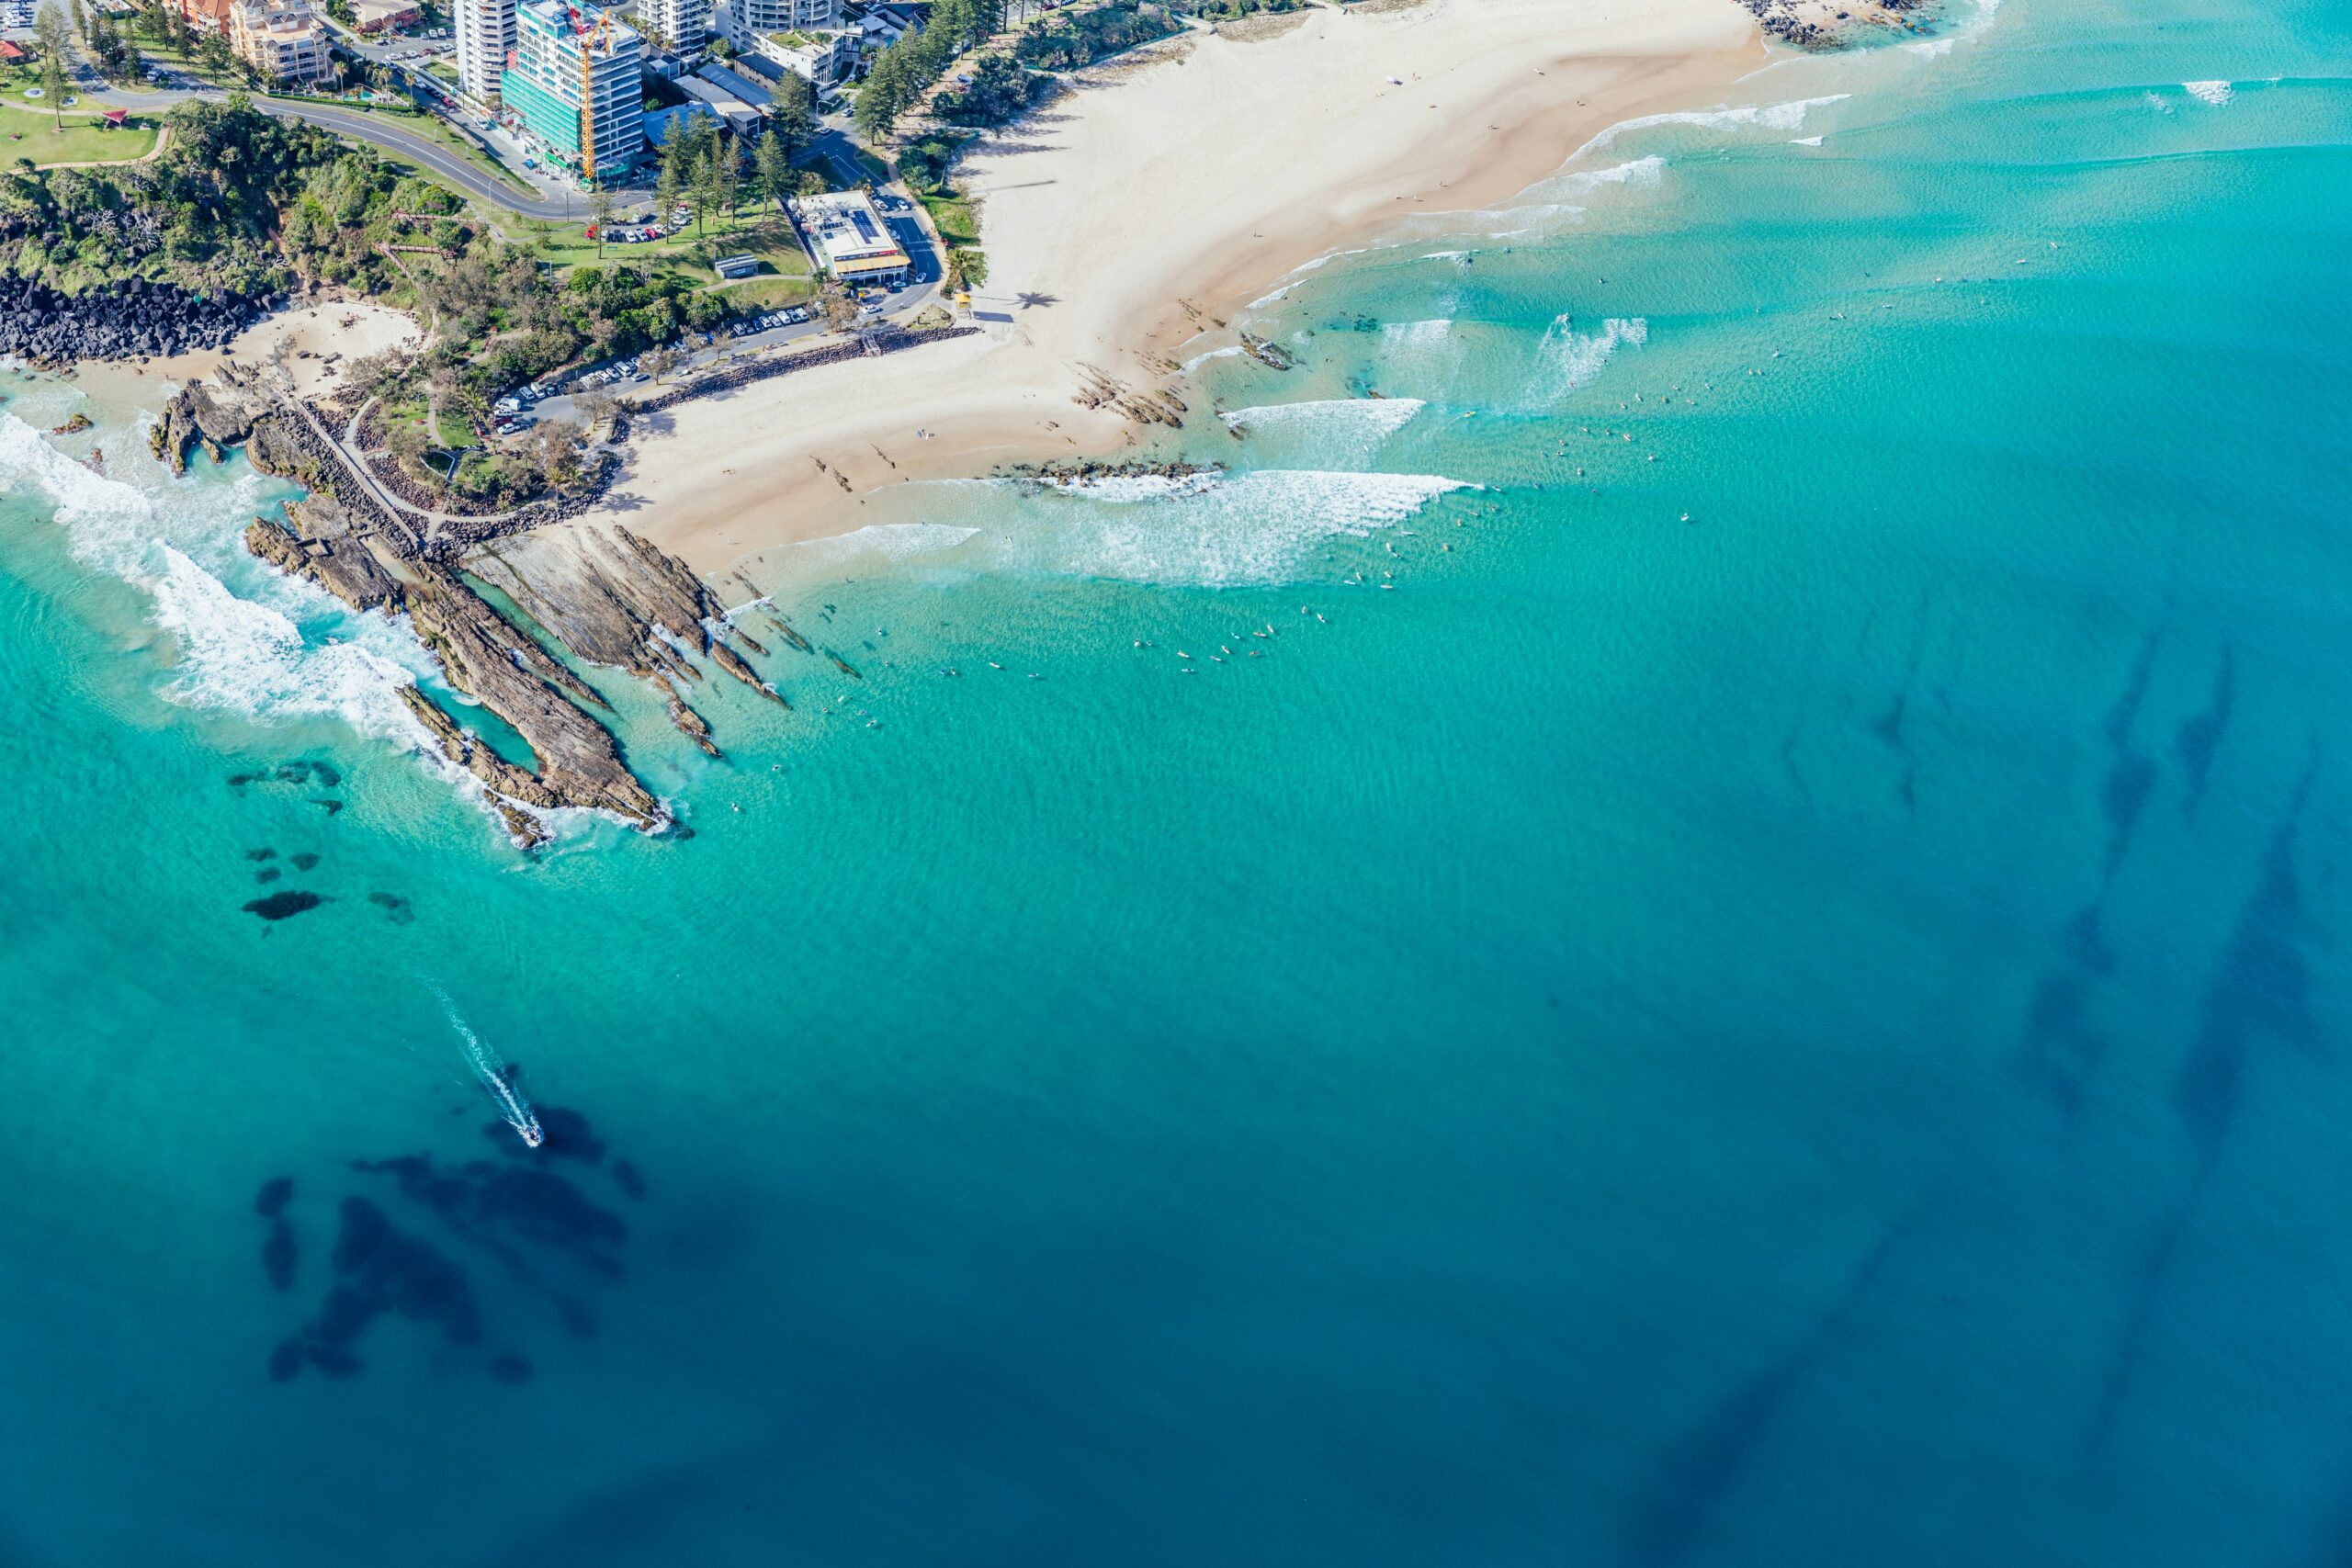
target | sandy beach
x=319, y=332
x=1197, y=174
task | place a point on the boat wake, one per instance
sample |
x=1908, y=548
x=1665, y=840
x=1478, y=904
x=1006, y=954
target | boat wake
x=495, y=1076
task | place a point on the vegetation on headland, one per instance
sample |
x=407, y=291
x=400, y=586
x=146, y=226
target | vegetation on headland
x=1071, y=40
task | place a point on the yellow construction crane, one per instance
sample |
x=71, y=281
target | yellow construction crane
x=600, y=32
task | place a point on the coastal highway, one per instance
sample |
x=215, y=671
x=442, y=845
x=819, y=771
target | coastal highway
x=385, y=132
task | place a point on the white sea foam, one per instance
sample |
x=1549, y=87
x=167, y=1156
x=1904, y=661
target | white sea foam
x=1569, y=359
x=1333, y=430
x=2213, y=93
x=1229, y=351
x=1804, y=141
x=496, y=1078
x=1788, y=115
x=1208, y=530
x=1980, y=17
x=1416, y=335
x=881, y=541
x=272, y=648
x=1547, y=206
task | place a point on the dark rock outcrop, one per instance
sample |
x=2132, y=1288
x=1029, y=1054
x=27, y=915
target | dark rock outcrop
x=607, y=594
x=125, y=320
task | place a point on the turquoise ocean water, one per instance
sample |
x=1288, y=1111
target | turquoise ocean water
x=1814, y=1034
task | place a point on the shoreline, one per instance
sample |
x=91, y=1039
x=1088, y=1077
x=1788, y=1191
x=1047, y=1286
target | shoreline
x=1111, y=244
x=316, y=330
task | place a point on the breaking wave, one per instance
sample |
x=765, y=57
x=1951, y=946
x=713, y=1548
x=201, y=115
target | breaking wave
x=1569, y=360
x=1789, y=115
x=1219, y=530
x=2213, y=93
x=270, y=648
x=881, y=543
x=1334, y=429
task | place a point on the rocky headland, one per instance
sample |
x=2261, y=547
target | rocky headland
x=132, y=318
x=602, y=592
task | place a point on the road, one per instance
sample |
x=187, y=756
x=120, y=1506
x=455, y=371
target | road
x=380, y=130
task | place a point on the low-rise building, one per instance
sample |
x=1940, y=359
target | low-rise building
x=660, y=125
x=204, y=16
x=823, y=55
x=281, y=39
x=383, y=16
x=849, y=240
x=740, y=118
x=751, y=89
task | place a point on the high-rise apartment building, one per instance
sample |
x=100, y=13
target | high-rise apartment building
x=485, y=42
x=679, y=26
x=577, y=84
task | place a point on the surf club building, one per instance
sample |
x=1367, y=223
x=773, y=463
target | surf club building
x=847, y=238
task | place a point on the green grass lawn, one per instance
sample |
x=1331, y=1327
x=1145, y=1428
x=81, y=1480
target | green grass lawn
x=456, y=430
x=766, y=293
x=86, y=138
x=958, y=225
x=759, y=229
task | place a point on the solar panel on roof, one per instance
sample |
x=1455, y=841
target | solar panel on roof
x=865, y=226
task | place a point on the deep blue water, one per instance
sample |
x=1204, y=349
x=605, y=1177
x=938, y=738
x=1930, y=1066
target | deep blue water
x=1810, y=1034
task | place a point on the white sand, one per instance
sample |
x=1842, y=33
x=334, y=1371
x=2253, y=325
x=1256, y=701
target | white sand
x=1203, y=174
x=334, y=335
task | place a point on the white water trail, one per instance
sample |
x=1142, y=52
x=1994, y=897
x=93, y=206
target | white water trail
x=495, y=1076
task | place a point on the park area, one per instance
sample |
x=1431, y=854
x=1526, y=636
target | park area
x=30, y=131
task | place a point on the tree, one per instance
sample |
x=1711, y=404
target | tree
x=600, y=214
x=724, y=184
x=770, y=169
x=52, y=30
x=887, y=91
x=670, y=183
x=52, y=84
x=554, y=450
x=706, y=187
x=813, y=184
x=406, y=440
x=596, y=410
x=839, y=310
x=658, y=363
x=793, y=114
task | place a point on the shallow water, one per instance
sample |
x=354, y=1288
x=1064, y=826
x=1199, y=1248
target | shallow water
x=1810, y=1034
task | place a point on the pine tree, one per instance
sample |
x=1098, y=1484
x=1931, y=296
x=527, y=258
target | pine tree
x=794, y=112
x=52, y=84
x=600, y=213
x=884, y=93
x=770, y=166
x=706, y=188
x=724, y=184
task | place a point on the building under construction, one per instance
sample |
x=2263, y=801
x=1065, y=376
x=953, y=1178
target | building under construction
x=575, y=87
